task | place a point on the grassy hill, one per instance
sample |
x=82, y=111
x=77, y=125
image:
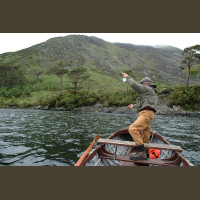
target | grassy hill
x=102, y=58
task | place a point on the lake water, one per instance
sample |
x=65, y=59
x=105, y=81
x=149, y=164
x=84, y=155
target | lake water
x=58, y=138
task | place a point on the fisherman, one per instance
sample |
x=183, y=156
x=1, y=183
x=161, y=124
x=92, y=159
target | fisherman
x=146, y=106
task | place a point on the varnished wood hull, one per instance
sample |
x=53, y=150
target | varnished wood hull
x=113, y=155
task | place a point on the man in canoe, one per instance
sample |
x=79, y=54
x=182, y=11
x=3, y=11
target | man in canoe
x=146, y=106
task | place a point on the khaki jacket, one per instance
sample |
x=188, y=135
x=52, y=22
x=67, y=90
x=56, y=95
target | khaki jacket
x=146, y=95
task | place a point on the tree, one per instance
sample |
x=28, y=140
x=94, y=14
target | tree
x=191, y=58
x=11, y=76
x=36, y=70
x=7, y=75
x=77, y=76
x=90, y=84
x=21, y=78
x=195, y=71
x=60, y=70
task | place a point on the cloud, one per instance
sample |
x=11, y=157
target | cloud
x=16, y=41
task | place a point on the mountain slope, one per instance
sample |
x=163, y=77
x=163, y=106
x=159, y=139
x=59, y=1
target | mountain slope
x=159, y=63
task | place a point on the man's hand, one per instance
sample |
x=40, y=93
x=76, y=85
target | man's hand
x=124, y=75
x=131, y=106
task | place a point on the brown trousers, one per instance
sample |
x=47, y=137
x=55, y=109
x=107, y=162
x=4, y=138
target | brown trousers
x=140, y=129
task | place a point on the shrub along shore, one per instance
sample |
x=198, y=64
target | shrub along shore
x=161, y=110
x=171, y=100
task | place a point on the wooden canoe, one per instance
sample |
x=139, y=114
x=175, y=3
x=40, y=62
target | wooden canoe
x=115, y=150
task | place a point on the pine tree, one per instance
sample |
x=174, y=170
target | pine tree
x=191, y=58
x=77, y=76
x=60, y=70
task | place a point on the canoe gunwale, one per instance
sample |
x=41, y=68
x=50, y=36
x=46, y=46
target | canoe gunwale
x=177, y=158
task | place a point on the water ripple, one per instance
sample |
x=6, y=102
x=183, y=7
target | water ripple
x=49, y=138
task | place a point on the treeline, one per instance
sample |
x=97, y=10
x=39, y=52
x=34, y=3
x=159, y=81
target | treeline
x=12, y=81
x=16, y=80
x=81, y=89
x=11, y=76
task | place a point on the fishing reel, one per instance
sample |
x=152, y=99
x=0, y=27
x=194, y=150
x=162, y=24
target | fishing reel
x=154, y=86
x=124, y=80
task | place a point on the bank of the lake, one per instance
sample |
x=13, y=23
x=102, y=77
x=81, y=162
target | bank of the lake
x=172, y=100
x=162, y=109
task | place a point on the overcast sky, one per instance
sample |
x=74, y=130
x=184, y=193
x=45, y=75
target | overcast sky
x=10, y=42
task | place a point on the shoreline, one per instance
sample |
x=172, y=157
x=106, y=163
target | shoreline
x=161, y=110
x=125, y=110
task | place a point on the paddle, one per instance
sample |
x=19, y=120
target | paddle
x=82, y=158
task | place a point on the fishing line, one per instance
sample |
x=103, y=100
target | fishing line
x=124, y=79
x=106, y=59
x=111, y=65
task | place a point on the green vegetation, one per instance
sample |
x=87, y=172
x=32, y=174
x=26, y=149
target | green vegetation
x=79, y=71
x=191, y=58
x=78, y=90
x=59, y=70
x=45, y=95
x=179, y=95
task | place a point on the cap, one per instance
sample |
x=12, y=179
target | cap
x=145, y=79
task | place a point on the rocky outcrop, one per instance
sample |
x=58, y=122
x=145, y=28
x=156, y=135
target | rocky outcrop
x=162, y=109
x=99, y=108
